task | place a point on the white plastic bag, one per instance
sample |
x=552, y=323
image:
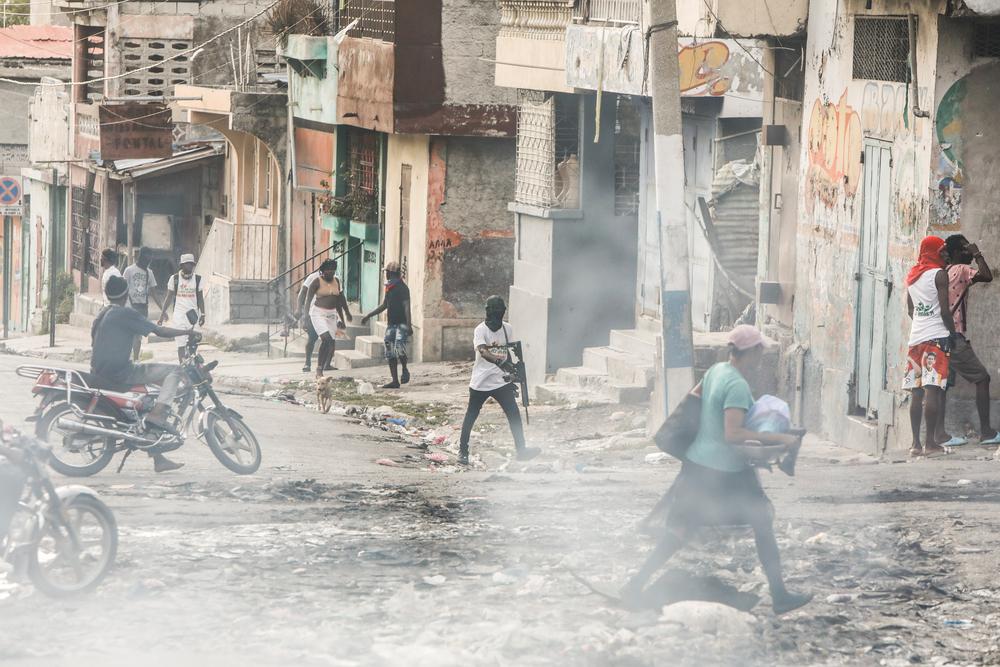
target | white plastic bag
x=769, y=414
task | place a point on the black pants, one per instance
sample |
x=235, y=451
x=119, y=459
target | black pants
x=508, y=402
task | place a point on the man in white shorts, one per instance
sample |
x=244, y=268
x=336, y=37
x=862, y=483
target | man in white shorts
x=184, y=294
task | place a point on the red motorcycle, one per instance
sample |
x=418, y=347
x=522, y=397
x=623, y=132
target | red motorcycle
x=86, y=423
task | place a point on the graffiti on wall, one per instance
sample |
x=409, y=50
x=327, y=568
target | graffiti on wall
x=946, y=200
x=883, y=110
x=834, y=147
x=701, y=69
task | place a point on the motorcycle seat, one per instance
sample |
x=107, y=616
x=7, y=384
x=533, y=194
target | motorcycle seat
x=96, y=382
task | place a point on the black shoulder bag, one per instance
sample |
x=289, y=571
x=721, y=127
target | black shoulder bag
x=681, y=426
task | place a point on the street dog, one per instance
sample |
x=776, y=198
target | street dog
x=324, y=394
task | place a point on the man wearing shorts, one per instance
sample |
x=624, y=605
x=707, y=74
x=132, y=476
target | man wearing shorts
x=397, y=303
x=964, y=362
x=930, y=341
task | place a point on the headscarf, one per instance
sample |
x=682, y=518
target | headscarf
x=930, y=258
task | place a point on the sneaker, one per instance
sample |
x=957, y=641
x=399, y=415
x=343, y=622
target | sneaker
x=307, y=368
x=405, y=376
x=159, y=418
x=790, y=602
x=463, y=459
x=162, y=464
x=995, y=440
x=528, y=453
x=391, y=385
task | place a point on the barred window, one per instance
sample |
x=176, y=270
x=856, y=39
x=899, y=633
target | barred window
x=881, y=48
x=627, y=148
x=548, y=151
x=986, y=40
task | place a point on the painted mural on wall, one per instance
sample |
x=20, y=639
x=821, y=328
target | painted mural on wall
x=834, y=153
x=949, y=174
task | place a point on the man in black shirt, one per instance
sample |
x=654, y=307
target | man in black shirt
x=397, y=303
x=111, y=337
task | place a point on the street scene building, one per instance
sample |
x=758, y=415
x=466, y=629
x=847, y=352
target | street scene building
x=592, y=287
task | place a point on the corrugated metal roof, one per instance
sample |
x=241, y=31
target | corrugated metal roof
x=144, y=167
x=40, y=42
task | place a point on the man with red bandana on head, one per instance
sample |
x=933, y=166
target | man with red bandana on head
x=930, y=342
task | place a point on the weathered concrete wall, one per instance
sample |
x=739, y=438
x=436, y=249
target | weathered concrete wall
x=964, y=181
x=468, y=38
x=714, y=68
x=49, y=131
x=468, y=251
x=313, y=97
x=840, y=115
x=744, y=18
x=414, y=151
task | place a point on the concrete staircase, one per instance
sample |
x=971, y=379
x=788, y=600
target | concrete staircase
x=620, y=373
x=623, y=371
x=368, y=349
x=86, y=308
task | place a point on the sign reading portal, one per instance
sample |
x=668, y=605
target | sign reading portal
x=135, y=131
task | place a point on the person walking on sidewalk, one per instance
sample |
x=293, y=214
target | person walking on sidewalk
x=184, y=294
x=141, y=283
x=716, y=486
x=490, y=379
x=109, y=267
x=397, y=305
x=327, y=312
x=931, y=334
x=964, y=362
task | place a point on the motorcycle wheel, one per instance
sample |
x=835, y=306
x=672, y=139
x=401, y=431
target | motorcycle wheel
x=57, y=567
x=73, y=454
x=242, y=456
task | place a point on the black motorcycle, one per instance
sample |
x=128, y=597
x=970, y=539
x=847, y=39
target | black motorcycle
x=86, y=425
x=64, y=538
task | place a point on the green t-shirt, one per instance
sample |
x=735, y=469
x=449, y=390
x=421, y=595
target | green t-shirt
x=722, y=387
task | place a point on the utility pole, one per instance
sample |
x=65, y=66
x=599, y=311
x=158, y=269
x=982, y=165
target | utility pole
x=675, y=357
x=53, y=246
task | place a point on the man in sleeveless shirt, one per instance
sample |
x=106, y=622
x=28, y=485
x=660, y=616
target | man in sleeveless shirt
x=931, y=334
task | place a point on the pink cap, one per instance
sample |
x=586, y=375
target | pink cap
x=745, y=337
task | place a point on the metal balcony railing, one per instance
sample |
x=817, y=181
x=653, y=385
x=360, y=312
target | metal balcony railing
x=611, y=11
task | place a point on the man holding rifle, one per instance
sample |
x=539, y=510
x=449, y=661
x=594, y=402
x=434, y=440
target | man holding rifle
x=493, y=376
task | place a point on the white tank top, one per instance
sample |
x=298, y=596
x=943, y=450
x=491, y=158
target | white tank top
x=927, y=322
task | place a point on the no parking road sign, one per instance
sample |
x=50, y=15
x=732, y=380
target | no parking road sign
x=10, y=195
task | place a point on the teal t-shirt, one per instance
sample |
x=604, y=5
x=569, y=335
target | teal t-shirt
x=722, y=388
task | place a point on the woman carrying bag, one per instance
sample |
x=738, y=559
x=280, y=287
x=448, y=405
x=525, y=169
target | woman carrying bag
x=717, y=484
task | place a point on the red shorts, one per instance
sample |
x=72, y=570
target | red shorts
x=926, y=366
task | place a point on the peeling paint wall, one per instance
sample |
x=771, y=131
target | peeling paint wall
x=841, y=114
x=965, y=179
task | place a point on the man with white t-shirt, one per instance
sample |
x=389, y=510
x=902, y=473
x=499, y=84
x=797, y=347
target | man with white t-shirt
x=184, y=294
x=109, y=267
x=490, y=380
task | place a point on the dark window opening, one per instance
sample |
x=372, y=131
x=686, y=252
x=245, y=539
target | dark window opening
x=882, y=48
x=986, y=40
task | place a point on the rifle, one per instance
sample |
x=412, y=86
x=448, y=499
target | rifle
x=515, y=372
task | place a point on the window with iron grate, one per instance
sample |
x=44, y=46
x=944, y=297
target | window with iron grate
x=881, y=48
x=548, y=150
x=986, y=40
x=627, y=146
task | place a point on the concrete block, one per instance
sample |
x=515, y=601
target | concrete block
x=634, y=342
x=372, y=346
x=581, y=378
x=248, y=313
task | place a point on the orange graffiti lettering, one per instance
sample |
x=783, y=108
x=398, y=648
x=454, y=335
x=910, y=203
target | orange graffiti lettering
x=834, y=151
x=700, y=69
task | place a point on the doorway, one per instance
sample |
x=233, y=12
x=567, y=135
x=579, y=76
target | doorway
x=874, y=282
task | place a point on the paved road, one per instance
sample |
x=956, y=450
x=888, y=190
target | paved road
x=324, y=558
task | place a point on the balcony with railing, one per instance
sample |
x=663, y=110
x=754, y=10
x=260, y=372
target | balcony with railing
x=613, y=12
x=531, y=45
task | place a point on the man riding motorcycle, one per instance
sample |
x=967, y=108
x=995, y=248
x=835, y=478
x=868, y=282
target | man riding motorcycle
x=111, y=338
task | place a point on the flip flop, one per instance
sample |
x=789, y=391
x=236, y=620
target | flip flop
x=956, y=441
x=995, y=440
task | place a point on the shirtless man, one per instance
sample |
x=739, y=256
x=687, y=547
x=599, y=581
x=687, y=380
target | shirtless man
x=327, y=312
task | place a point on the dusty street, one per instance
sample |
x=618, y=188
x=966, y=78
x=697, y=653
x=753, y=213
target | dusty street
x=326, y=558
